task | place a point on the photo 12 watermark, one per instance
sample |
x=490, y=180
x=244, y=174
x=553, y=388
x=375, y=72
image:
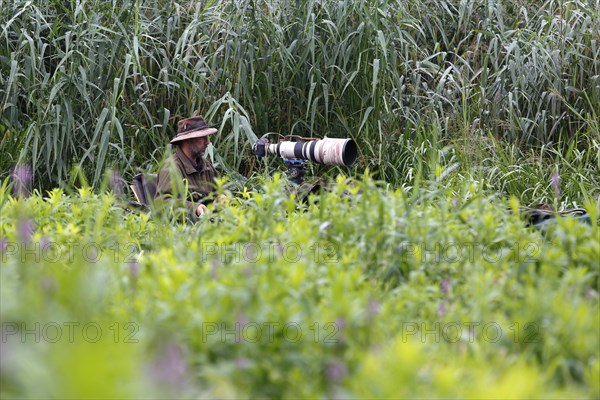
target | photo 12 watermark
x=46, y=251
x=462, y=252
x=269, y=251
x=269, y=332
x=470, y=332
x=69, y=332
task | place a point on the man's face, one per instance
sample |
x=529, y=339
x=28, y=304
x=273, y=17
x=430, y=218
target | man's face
x=198, y=146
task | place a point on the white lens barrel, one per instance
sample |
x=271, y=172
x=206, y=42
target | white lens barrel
x=326, y=151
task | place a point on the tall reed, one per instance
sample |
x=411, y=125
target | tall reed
x=97, y=84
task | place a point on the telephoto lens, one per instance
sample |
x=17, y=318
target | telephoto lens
x=325, y=151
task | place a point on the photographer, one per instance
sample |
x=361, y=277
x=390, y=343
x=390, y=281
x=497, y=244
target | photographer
x=187, y=174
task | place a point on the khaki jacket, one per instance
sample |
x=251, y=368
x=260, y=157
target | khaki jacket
x=179, y=173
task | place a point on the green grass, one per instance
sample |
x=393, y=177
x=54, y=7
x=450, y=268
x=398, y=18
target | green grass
x=413, y=277
x=381, y=285
x=96, y=85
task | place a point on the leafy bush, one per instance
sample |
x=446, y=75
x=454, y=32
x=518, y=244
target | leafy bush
x=364, y=291
x=412, y=277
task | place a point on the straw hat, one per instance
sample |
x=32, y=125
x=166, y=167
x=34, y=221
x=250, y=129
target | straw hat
x=193, y=127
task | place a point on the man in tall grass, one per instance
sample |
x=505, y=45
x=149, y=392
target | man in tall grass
x=187, y=174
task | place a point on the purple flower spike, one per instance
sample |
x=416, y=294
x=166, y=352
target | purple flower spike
x=340, y=323
x=45, y=243
x=23, y=180
x=25, y=230
x=242, y=320
x=335, y=371
x=373, y=308
x=441, y=311
x=242, y=363
x=555, y=183
x=3, y=245
x=445, y=286
x=49, y=285
x=134, y=269
x=170, y=367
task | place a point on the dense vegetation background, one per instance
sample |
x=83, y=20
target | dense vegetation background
x=512, y=86
x=414, y=275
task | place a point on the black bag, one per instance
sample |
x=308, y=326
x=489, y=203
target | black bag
x=144, y=188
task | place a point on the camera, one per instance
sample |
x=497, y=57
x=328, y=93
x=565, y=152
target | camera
x=326, y=151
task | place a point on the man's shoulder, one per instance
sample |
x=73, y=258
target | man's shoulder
x=169, y=165
x=174, y=159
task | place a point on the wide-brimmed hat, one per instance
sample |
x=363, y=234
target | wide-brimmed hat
x=193, y=127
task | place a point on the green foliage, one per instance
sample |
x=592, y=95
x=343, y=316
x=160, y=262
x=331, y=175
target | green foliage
x=98, y=84
x=379, y=282
x=402, y=289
